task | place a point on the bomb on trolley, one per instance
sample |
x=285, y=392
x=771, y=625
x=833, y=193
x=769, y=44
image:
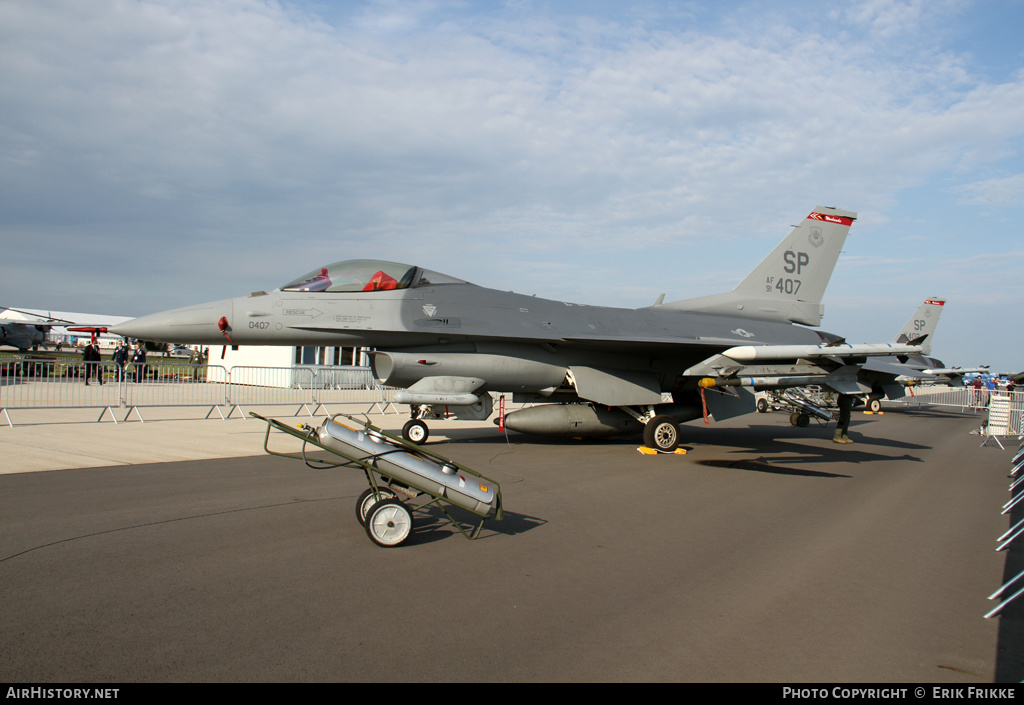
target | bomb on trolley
x=395, y=469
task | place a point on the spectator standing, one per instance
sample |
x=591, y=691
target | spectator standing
x=121, y=353
x=93, y=362
x=139, y=361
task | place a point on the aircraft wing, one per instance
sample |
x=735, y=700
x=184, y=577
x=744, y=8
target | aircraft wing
x=695, y=341
x=894, y=368
x=29, y=318
x=841, y=367
x=29, y=322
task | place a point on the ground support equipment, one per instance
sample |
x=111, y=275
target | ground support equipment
x=394, y=468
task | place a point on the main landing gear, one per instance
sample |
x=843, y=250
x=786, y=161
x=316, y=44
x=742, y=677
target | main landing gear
x=662, y=433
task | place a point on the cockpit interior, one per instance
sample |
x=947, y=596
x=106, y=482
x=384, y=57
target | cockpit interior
x=368, y=275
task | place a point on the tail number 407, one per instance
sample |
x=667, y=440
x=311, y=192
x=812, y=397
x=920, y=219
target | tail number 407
x=782, y=285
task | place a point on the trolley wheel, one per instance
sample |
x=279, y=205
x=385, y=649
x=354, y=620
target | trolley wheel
x=762, y=406
x=662, y=433
x=388, y=523
x=798, y=419
x=415, y=431
x=874, y=405
x=367, y=499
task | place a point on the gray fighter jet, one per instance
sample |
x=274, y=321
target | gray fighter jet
x=595, y=371
x=874, y=379
x=920, y=368
x=887, y=377
x=30, y=329
x=22, y=335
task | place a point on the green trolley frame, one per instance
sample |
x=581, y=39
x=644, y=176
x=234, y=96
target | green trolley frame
x=387, y=520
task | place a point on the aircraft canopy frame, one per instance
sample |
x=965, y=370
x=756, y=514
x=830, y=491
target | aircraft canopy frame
x=365, y=275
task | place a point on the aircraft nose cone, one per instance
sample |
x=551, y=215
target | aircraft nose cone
x=190, y=325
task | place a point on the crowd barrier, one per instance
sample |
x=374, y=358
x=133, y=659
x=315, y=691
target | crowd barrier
x=1004, y=411
x=50, y=384
x=1010, y=535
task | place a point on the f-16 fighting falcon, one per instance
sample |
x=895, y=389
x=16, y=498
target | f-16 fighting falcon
x=593, y=371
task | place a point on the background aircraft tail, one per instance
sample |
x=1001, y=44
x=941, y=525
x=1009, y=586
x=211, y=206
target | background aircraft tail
x=922, y=323
x=789, y=284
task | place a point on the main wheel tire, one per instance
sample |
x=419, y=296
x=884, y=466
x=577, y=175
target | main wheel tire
x=662, y=433
x=874, y=405
x=367, y=499
x=388, y=523
x=415, y=431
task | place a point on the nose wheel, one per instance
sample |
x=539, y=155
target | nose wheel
x=415, y=431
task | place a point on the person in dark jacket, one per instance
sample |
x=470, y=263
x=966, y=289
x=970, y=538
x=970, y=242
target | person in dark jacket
x=121, y=359
x=139, y=361
x=93, y=362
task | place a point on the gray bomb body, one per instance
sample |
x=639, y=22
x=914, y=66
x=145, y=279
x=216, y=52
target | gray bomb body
x=588, y=420
x=396, y=462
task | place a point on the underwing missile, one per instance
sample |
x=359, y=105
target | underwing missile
x=749, y=353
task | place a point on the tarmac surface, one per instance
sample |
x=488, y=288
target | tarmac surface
x=177, y=551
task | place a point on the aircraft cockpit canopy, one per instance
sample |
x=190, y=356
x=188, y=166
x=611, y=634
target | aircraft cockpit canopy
x=368, y=275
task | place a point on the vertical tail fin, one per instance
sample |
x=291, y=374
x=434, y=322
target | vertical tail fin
x=922, y=323
x=790, y=283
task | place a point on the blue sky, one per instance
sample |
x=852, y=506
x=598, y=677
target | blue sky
x=156, y=154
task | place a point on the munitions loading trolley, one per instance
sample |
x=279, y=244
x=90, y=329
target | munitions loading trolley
x=394, y=467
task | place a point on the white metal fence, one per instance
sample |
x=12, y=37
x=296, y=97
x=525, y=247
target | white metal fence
x=45, y=384
x=1004, y=411
x=1009, y=536
x=49, y=384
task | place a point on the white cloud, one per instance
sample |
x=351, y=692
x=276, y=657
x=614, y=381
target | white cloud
x=1008, y=191
x=451, y=133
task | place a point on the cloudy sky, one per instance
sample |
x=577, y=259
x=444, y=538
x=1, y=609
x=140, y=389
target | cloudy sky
x=158, y=153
